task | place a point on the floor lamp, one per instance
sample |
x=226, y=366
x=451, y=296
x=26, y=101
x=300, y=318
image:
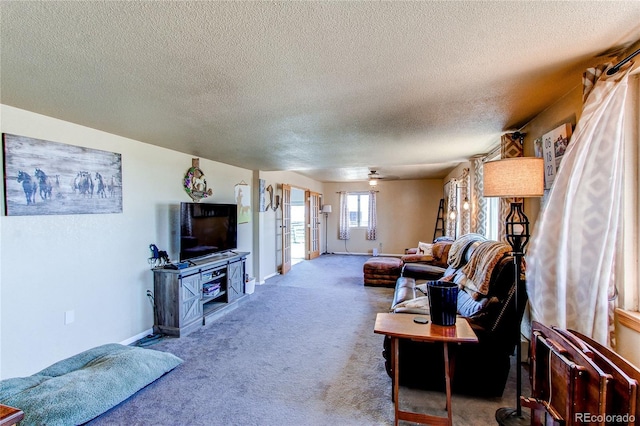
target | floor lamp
x=518, y=177
x=326, y=209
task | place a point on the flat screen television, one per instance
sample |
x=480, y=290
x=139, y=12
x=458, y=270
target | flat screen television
x=206, y=229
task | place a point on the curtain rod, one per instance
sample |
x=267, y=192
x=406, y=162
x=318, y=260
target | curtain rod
x=462, y=176
x=617, y=66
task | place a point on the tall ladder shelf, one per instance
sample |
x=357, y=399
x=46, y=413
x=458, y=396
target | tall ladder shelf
x=439, y=220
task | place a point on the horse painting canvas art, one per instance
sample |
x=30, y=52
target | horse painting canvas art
x=47, y=178
x=243, y=200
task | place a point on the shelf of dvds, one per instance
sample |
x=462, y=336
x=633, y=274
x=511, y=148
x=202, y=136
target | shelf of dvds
x=187, y=298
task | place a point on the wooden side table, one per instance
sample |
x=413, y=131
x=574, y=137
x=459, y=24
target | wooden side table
x=402, y=326
x=9, y=415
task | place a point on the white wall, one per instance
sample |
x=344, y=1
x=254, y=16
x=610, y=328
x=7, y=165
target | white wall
x=95, y=265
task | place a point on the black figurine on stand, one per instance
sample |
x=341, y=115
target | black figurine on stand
x=158, y=258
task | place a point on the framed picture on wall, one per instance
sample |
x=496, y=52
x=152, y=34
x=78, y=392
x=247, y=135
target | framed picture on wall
x=538, y=152
x=243, y=200
x=51, y=178
x=554, y=145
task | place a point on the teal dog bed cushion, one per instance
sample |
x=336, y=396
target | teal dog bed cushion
x=77, y=389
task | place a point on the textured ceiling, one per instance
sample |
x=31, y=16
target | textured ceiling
x=329, y=89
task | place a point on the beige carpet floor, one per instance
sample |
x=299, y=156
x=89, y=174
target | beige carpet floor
x=300, y=350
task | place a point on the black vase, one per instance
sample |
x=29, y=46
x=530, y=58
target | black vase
x=443, y=302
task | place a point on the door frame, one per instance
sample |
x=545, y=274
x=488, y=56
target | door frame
x=312, y=213
x=312, y=223
x=285, y=226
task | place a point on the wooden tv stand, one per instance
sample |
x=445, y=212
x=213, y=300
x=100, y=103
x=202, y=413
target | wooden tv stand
x=182, y=302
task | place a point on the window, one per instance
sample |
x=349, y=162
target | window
x=629, y=267
x=358, y=206
x=492, y=218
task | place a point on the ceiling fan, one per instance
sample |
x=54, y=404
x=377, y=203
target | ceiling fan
x=374, y=177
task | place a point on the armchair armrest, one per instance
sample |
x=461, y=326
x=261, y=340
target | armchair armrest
x=422, y=271
x=411, y=258
x=438, y=255
x=405, y=290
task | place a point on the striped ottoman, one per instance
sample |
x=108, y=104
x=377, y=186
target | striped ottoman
x=382, y=271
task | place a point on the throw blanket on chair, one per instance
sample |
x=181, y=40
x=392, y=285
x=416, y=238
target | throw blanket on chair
x=480, y=267
x=459, y=246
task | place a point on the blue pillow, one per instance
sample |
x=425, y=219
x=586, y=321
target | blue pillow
x=467, y=306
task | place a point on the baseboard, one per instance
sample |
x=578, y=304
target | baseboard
x=137, y=337
x=351, y=253
x=267, y=277
x=368, y=254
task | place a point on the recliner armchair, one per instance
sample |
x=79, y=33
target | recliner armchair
x=480, y=369
x=430, y=265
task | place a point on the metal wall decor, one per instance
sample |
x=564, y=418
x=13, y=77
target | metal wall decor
x=273, y=206
x=195, y=184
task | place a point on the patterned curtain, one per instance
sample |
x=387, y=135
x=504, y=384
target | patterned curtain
x=465, y=215
x=478, y=203
x=509, y=148
x=373, y=219
x=571, y=261
x=450, y=224
x=589, y=79
x=344, y=233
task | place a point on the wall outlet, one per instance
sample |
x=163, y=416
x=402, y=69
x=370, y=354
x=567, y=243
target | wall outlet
x=69, y=317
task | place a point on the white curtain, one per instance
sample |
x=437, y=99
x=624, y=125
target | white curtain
x=344, y=233
x=570, y=265
x=373, y=220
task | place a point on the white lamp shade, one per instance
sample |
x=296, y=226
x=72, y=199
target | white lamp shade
x=326, y=208
x=373, y=182
x=514, y=177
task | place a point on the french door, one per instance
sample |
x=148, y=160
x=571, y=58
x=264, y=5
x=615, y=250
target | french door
x=312, y=205
x=286, y=229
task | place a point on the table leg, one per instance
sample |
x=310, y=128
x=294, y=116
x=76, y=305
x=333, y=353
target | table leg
x=419, y=417
x=396, y=378
x=447, y=375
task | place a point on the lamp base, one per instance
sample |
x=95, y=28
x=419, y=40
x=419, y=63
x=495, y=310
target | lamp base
x=509, y=417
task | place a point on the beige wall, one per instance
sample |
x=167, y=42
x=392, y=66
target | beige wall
x=407, y=212
x=566, y=110
x=628, y=337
